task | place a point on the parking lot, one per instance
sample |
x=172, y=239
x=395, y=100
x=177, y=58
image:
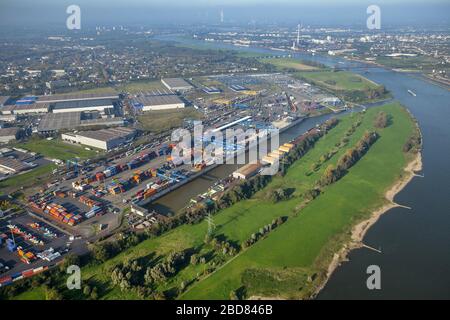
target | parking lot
x=30, y=235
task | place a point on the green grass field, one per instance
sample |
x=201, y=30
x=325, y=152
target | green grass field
x=28, y=178
x=138, y=86
x=57, y=149
x=340, y=80
x=103, y=90
x=289, y=63
x=304, y=244
x=158, y=121
x=37, y=293
x=284, y=263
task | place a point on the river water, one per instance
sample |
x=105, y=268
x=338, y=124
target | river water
x=415, y=244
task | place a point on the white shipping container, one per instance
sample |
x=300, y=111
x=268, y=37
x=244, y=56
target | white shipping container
x=89, y=214
x=18, y=278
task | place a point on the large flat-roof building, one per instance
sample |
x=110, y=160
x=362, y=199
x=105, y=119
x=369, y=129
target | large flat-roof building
x=176, y=84
x=162, y=102
x=82, y=105
x=247, y=171
x=53, y=122
x=12, y=165
x=9, y=134
x=105, y=139
x=3, y=100
x=75, y=97
x=21, y=109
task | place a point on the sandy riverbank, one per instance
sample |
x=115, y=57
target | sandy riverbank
x=360, y=230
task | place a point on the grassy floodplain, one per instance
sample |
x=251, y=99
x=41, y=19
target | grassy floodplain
x=339, y=80
x=348, y=86
x=291, y=261
x=289, y=64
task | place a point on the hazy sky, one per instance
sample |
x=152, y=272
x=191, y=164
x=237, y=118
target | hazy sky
x=314, y=12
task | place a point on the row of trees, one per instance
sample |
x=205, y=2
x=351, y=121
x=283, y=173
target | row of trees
x=342, y=143
x=306, y=143
x=332, y=174
x=263, y=231
x=279, y=194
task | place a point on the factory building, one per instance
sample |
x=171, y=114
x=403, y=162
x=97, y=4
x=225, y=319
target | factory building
x=10, y=165
x=164, y=102
x=7, y=110
x=247, y=171
x=75, y=97
x=105, y=139
x=3, y=100
x=53, y=122
x=82, y=105
x=176, y=84
x=21, y=109
x=9, y=134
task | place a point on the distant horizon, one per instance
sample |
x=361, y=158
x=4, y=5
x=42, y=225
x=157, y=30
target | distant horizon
x=322, y=12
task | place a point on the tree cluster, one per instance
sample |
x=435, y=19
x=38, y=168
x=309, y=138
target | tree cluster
x=413, y=143
x=166, y=269
x=332, y=174
x=263, y=232
x=381, y=120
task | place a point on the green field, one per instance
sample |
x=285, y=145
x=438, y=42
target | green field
x=348, y=86
x=34, y=294
x=419, y=63
x=28, y=178
x=102, y=90
x=339, y=80
x=138, y=86
x=158, y=121
x=303, y=246
x=289, y=64
x=291, y=261
x=57, y=149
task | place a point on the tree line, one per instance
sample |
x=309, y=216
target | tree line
x=263, y=231
x=332, y=174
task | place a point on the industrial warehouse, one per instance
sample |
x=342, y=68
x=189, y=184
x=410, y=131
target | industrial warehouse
x=53, y=122
x=9, y=134
x=11, y=165
x=75, y=97
x=105, y=139
x=3, y=100
x=176, y=84
x=159, y=102
x=83, y=105
x=21, y=109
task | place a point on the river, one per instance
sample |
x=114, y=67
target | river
x=415, y=244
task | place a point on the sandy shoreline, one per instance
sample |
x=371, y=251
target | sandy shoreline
x=360, y=230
